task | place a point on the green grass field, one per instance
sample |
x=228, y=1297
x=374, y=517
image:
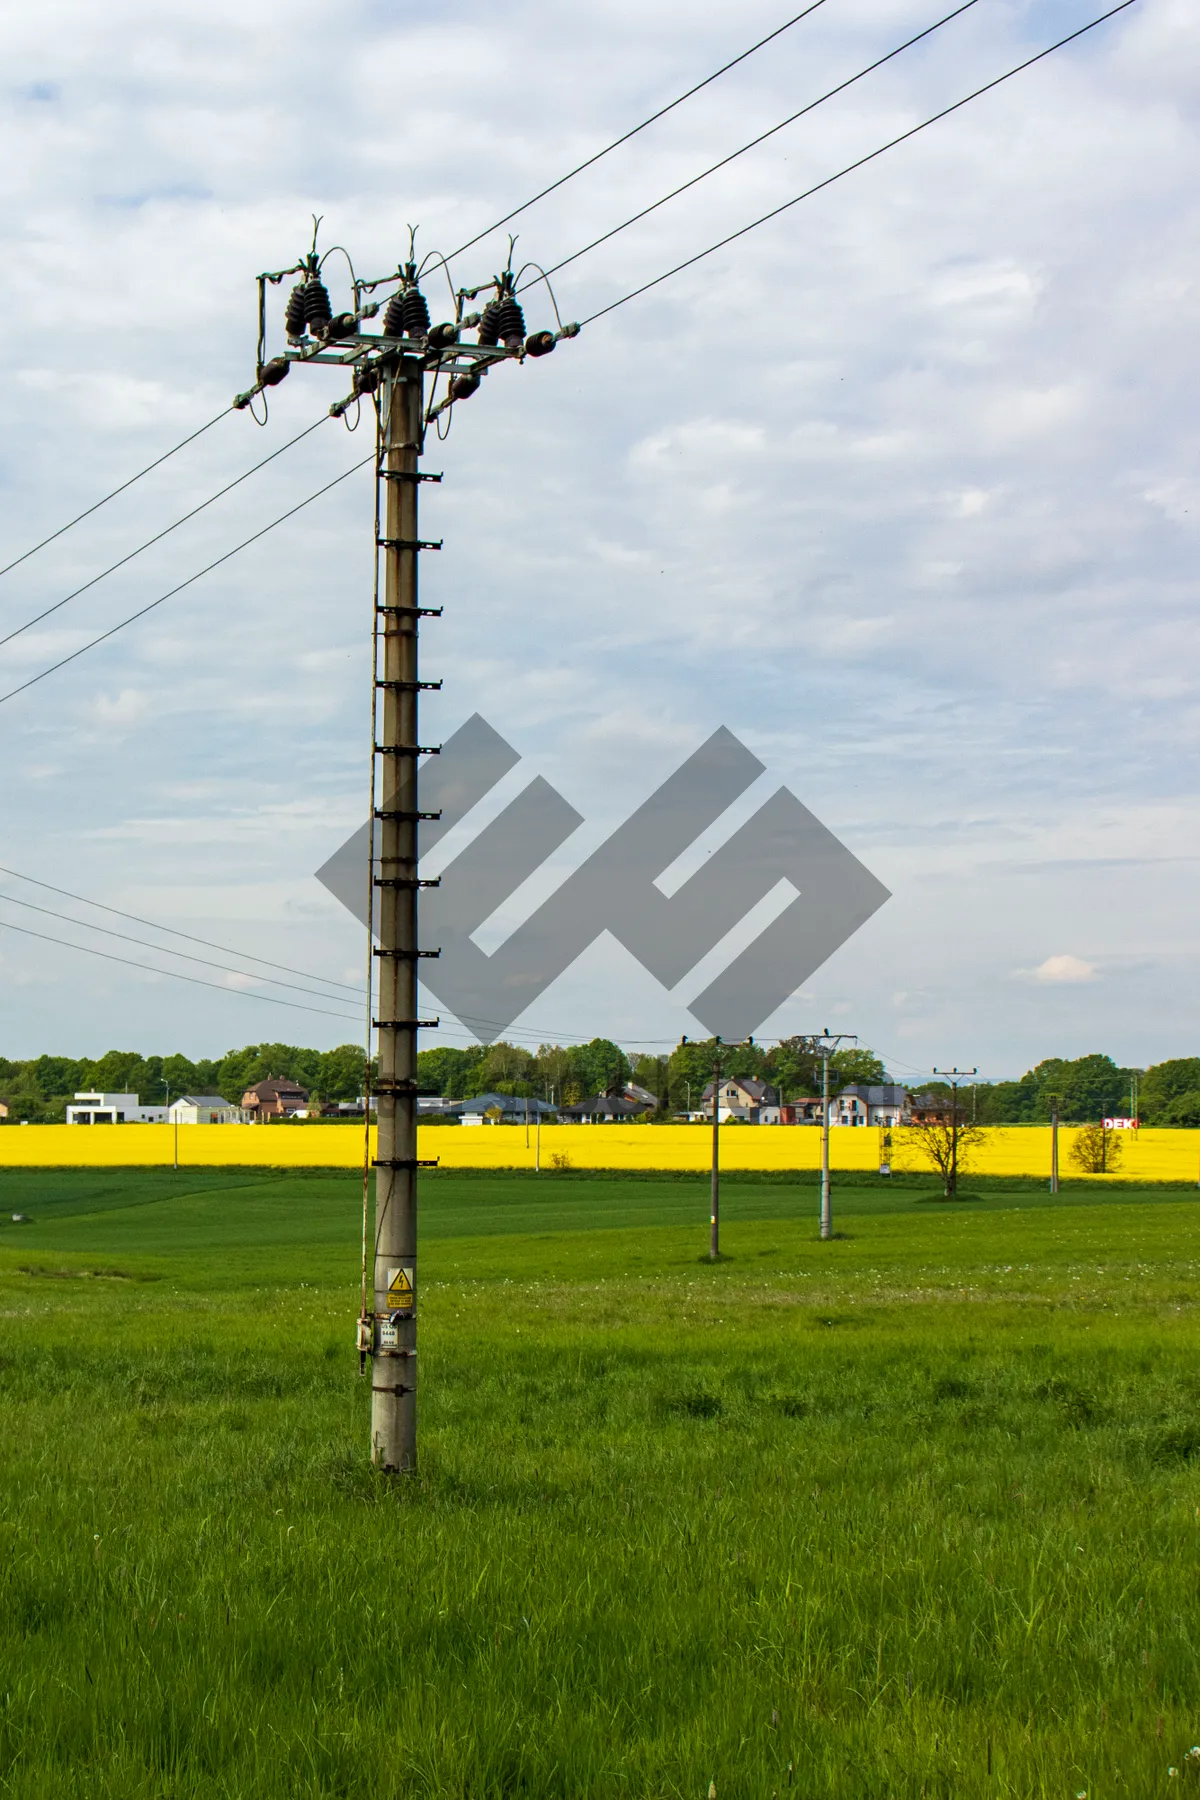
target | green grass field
x=916, y=1512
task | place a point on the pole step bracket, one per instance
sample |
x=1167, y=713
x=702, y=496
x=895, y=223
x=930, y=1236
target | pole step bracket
x=407, y=749
x=412, y=612
x=402, y=1162
x=406, y=1024
x=408, y=956
x=409, y=543
x=407, y=687
x=400, y=1086
x=406, y=882
x=411, y=818
x=406, y=475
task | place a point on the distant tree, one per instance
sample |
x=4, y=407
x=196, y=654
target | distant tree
x=1184, y=1111
x=507, y=1069
x=183, y=1076
x=948, y=1139
x=1096, y=1150
x=1087, y=1088
x=650, y=1072
x=1007, y=1102
x=592, y=1068
x=454, y=1073
x=855, y=1065
x=1163, y=1085
x=553, y=1070
x=340, y=1072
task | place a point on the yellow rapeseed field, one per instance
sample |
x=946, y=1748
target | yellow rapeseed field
x=1149, y=1155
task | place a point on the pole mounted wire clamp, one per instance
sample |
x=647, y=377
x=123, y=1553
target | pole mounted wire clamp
x=407, y=749
x=407, y=955
x=407, y=475
x=409, y=543
x=408, y=687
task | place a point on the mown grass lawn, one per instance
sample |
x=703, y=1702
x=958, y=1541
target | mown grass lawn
x=916, y=1512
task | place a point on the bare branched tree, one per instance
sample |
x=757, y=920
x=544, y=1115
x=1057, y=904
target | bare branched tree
x=946, y=1138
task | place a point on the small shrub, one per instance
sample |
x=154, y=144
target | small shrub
x=560, y=1160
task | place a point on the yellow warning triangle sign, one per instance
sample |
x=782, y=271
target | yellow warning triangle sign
x=400, y=1289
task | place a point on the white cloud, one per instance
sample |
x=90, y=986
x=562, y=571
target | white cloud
x=122, y=711
x=1065, y=968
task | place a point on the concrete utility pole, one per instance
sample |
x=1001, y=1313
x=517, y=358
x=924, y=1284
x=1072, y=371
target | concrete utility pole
x=714, y=1214
x=388, y=370
x=825, y=1046
x=394, y=1367
x=1054, y=1143
x=954, y=1076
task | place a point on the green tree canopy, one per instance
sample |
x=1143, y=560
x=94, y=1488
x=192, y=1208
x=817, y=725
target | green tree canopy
x=1164, y=1085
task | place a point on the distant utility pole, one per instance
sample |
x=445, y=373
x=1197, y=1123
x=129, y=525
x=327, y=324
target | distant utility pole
x=825, y=1046
x=954, y=1076
x=388, y=369
x=714, y=1214
x=167, y=1086
x=1054, y=1143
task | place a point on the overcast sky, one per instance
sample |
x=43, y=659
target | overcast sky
x=903, y=489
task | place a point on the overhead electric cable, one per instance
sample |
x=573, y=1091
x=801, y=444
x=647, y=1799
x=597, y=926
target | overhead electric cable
x=625, y=136
x=178, y=589
x=95, y=507
x=588, y=163
x=165, y=532
x=173, y=974
x=163, y=949
x=153, y=925
x=861, y=162
x=752, y=145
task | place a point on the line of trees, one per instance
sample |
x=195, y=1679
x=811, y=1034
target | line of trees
x=38, y=1090
x=1087, y=1089
x=574, y=1072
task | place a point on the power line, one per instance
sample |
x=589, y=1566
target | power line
x=153, y=925
x=172, y=974
x=88, y=511
x=861, y=162
x=165, y=532
x=588, y=163
x=752, y=145
x=625, y=136
x=200, y=573
x=162, y=949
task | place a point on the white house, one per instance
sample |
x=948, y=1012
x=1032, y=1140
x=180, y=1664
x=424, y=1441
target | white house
x=884, y=1104
x=743, y=1097
x=206, y=1109
x=113, y=1109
